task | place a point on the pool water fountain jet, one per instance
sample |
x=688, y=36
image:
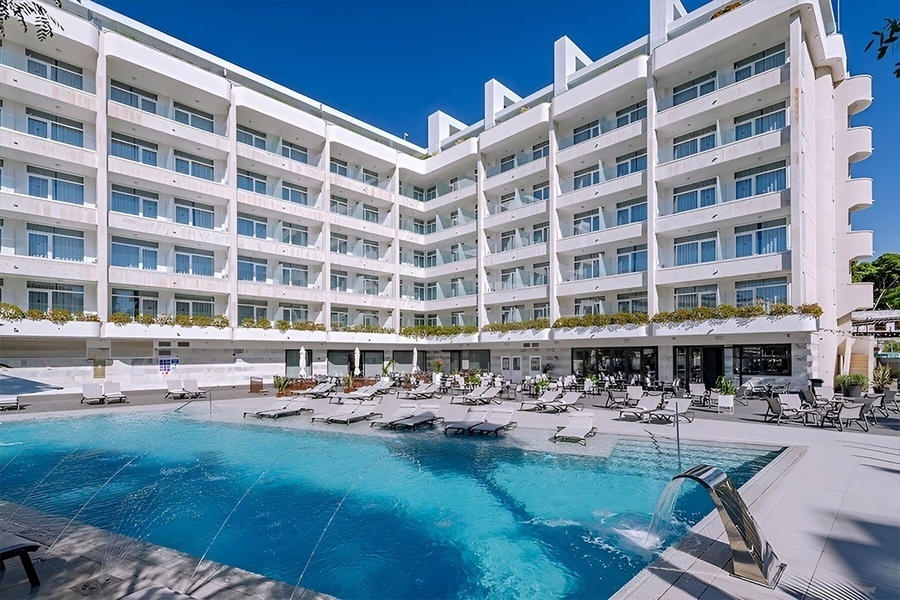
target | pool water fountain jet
x=22, y=503
x=661, y=522
x=752, y=557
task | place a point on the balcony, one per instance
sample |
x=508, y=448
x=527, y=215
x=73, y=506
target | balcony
x=516, y=123
x=761, y=264
x=754, y=325
x=46, y=329
x=308, y=173
x=298, y=338
x=54, y=155
x=170, y=181
x=356, y=180
x=583, y=91
x=56, y=211
x=521, y=286
x=523, y=166
x=63, y=270
x=357, y=218
x=853, y=245
x=274, y=204
x=611, y=141
x=854, y=194
x=608, y=283
x=610, y=332
x=167, y=231
x=165, y=278
x=444, y=193
x=856, y=142
x=587, y=242
x=519, y=250
x=463, y=223
x=723, y=214
x=610, y=188
x=288, y=252
x=728, y=150
x=358, y=256
x=20, y=86
x=854, y=296
x=856, y=93
x=162, y=127
x=136, y=331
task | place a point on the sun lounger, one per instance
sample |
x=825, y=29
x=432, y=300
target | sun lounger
x=474, y=416
x=668, y=413
x=293, y=408
x=545, y=398
x=276, y=405
x=175, y=390
x=425, y=415
x=490, y=395
x=92, y=393
x=499, y=419
x=12, y=546
x=193, y=390
x=634, y=394
x=10, y=403
x=471, y=396
x=616, y=399
x=427, y=390
x=318, y=391
x=567, y=401
x=403, y=411
x=576, y=430
x=640, y=412
x=112, y=392
x=699, y=396
x=361, y=412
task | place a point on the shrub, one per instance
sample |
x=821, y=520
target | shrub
x=725, y=386
x=364, y=329
x=517, y=326
x=165, y=320
x=220, y=321
x=813, y=310
x=33, y=314
x=752, y=310
x=59, y=316
x=307, y=326
x=87, y=317
x=851, y=380
x=726, y=311
x=702, y=313
x=248, y=322
x=201, y=321
x=423, y=331
x=120, y=318
x=145, y=319
x=263, y=324
x=282, y=325
x=184, y=320
x=882, y=377
x=10, y=312
x=781, y=310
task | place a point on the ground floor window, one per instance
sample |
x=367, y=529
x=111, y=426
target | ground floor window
x=772, y=360
x=470, y=360
x=622, y=363
x=699, y=364
x=403, y=361
x=292, y=363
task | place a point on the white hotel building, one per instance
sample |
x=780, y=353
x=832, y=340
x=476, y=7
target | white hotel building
x=706, y=163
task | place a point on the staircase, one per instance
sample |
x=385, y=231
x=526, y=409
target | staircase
x=859, y=364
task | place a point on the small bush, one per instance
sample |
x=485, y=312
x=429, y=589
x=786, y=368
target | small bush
x=307, y=326
x=263, y=324
x=33, y=314
x=726, y=311
x=120, y=318
x=59, y=316
x=220, y=321
x=702, y=313
x=518, y=326
x=781, y=310
x=10, y=312
x=750, y=311
x=145, y=319
x=165, y=319
x=248, y=322
x=426, y=331
x=184, y=321
x=87, y=317
x=201, y=321
x=813, y=310
x=282, y=325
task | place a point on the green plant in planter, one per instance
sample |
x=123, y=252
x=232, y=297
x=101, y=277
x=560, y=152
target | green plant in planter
x=282, y=325
x=281, y=384
x=184, y=320
x=10, y=312
x=220, y=322
x=201, y=321
x=387, y=367
x=120, y=318
x=726, y=311
x=852, y=384
x=725, y=386
x=59, y=316
x=263, y=324
x=781, y=310
x=33, y=314
x=541, y=384
x=882, y=376
x=165, y=319
x=84, y=317
x=145, y=319
x=438, y=365
x=813, y=310
x=248, y=322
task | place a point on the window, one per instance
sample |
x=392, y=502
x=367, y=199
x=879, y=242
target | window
x=695, y=249
x=193, y=213
x=251, y=137
x=418, y=194
x=587, y=177
x=254, y=310
x=251, y=226
x=54, y=185
x=770, y=118
x=588, y=266
x=339, y=167
x=507, y=163
x=431, y=291
x=133, y=254
x=370, y=177
x=370, y=249
x=632, y=259
x=632, y=113
x=507, y=240
x=454, y=184
x=193, y=117
x=340, y=318
x=431, y=193
x=457, y=287
x=457, y=319
x=194, y=306
x=586, y=222
x=696, y=195
x=418, y=259
x=769, y=360
x=368, y=318
x=541, y=273
x=132, y=96
x=195, y=166
x=419, y=320
x=541, y=191
x=46, y=296
x=54, y=70
x=431, y=225
x=295, y=313
x=135, y=302
x=55, y=243
x=761, y=238
x=694, y=88
x=635, y=302
x=632, y=162
x=431, y=258
x=540, y=150
x=698, y=295
x=431, y=320
x=193, y=262
x=294, y=275
x=507, y=201
x=589, y=306
x=131, y=148
x=418, y=226
x=761, y=291
x=759, y=62
x=760, y=180
x=541, y=310
x=134, y=202
x=370, y=285
x=511, y=279
x=251, y=269
x=295, y=235
x=55, y=128
x=294, y=193
x=294, y=152
x=339, y=243
x=694, y=142
x=419, y=291
x=540, y=233
x=252, y=182
x=453, y=220
x=370, y=213
x=586, y=132
x=631, y=211
x=339, y=206
x=511, y=314
x=338, y=281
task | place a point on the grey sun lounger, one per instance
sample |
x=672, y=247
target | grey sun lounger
x=319, y=391
x=471, y=396
x=490, y=395
x=293, y=408
x=361, y=412
x=639, y=412
x=12, y=546
x=544, y=399
x=474, y=416
x=403, y=411
x=567, y=401
x=429, y=390
x=424, y=416
x=497, y=421
x=577, y=430
x=276, y=405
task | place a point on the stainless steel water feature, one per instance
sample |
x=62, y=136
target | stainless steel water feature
x=752, y=557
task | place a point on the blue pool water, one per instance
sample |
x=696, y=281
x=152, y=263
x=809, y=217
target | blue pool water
x=420, y=516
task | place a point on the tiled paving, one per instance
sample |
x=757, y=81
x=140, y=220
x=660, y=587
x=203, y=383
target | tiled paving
x=828, y=507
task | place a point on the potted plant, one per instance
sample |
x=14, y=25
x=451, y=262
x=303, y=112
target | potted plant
x=881, y=378
x=438, y=365
x=852, y=384
x=726, y=391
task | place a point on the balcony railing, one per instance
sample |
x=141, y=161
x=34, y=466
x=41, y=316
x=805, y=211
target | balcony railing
x=360, y=250
x=385, y=219
x=381, y=181
x=19, y=62
x=520, y=200
x=443, y=291
x=602, y=176
x=418, y=192
x=521, y=279
x=723, y=80
x=520, y=158
x=436, y=225
x=441, y=257
x=722, y=138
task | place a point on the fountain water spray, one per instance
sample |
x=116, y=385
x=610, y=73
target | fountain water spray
x=39, y=484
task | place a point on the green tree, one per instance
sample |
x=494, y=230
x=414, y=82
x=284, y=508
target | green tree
x=23, y=11
x=884, y=273
x=887, y=39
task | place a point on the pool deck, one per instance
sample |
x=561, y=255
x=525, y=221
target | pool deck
x=828, y=507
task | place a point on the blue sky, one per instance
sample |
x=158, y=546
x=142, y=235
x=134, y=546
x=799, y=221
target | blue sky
x=392, y=64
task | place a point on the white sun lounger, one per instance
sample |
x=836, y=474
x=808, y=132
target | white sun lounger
x=361, y=412
x=545, y=398
x=10, y=403
x=668, y=413
x=293, y=408
x=276, y=405
x=499, y=419
x=175, y=390
x=112, y=392
x=92, y=393
x=403, y=411
x=424, y=415
x=567, y=401
x=427, y=390
x=577, y=430
x=474, y=416
x=640, y=412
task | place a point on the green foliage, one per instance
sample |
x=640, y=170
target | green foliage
x=220, y=321
x=851, y=380
x=813, y=310
x=887, y=39
x=438, y=365
x=10, y=312
x=725, y=386
x=201, y=321
x=33, y=314
x=890, y=346
x=387, y=367
x=145, y=319
x=29, y=13
x=750, y=311
x=781, y=310
x=517, y=326
x=282, y=325
x=884, y=274
x=281, y=384
x=184, y=321
x=882, y=377
x=364, y=329
x=307, y=326
x=426, y=331
x=620, y=318
x=120, y=318
x=248, y=322
x=87, y=317
x=263, y=324
x=541, y=384
x=165, y=320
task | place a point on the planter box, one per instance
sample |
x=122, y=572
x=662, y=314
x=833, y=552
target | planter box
x=27, y=328
x=354, y=337
x=462, y=338
x=787, y=324
x=611, y=332
x=250, y=334
x=522, y=335
x=164, y=332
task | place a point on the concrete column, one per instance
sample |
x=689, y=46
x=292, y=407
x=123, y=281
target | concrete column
x=796, y=181
x=652, y=193
x=102, y=199
x=326, y=229
x=395, y=248
x=481, y=241
x=555, y=234
x=231, y=178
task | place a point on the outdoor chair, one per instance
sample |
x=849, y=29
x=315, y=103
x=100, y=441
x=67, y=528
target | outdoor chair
x=890, y=400
x=12, y=546
x=10, y=403
x=842, y=415
x=671, y=411
x=112, y=392
x=563, y=403
x=576, y=430
x=92, y=393
x=787, y=407
x=634, y=393
x=641, y=411
x=175, y=390
x=193, y=390
x=874, y=408
x=699, y=396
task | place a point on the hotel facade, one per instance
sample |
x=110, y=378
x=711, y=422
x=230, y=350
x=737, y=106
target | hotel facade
x=180, y=207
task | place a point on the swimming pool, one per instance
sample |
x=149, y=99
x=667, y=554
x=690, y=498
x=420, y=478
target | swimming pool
x=419, y=517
